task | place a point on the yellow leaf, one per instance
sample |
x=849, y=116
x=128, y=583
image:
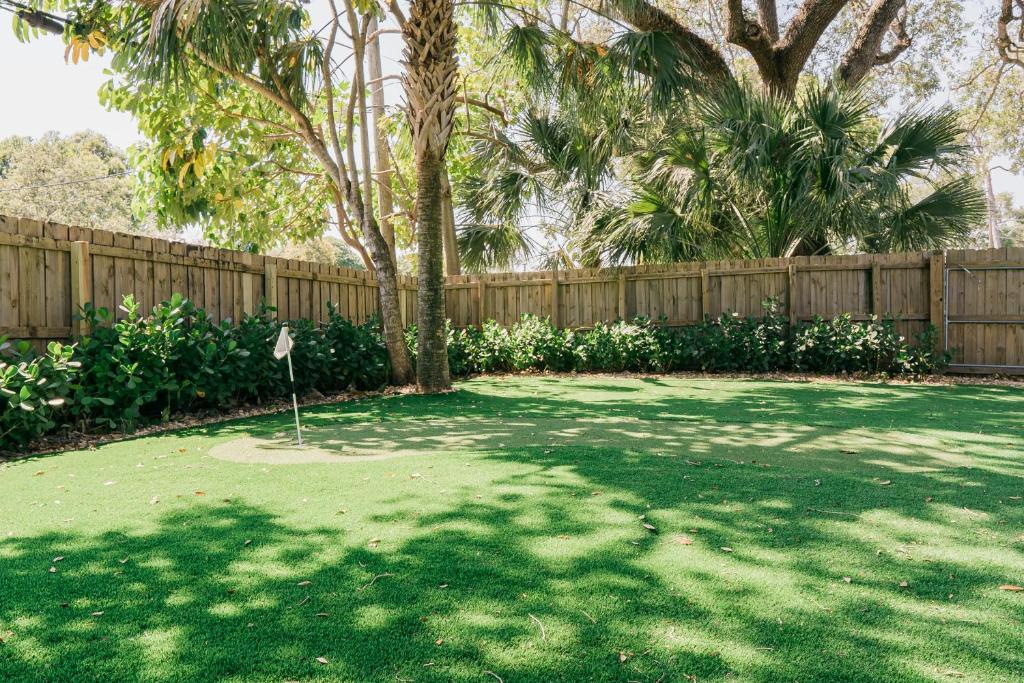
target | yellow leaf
x=219, y=197
x=85, y=51
x=75, y=51
x=164, y=158
x=96, y=40
x=199, y=165
x=181, y=174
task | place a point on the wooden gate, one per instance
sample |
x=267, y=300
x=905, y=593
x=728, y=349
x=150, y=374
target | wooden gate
x=984, y=311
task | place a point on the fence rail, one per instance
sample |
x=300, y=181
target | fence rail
x=974, y=298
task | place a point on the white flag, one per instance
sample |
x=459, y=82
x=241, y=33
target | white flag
x=284, y=344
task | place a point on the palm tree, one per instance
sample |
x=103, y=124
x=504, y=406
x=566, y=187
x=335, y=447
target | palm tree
x=430, y=82
x=737, y=173
x=746, y=173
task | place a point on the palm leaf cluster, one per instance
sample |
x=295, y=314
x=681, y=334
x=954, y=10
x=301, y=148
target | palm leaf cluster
x=734, y=173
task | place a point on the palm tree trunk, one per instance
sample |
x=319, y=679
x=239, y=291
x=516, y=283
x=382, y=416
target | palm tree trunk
x=432, y=372
x=430, y=82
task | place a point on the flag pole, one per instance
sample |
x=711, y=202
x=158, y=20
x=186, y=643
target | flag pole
x=295, y=401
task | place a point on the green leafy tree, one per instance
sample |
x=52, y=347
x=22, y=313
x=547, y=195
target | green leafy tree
x=79, y=179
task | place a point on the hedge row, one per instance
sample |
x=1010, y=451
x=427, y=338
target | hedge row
x=141, y=370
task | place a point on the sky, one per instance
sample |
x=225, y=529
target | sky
x=42, y=93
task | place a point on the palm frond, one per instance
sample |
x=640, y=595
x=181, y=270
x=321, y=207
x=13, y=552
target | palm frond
x=483, y=247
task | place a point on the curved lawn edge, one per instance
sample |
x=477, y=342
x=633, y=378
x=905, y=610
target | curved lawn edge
x=60, y=443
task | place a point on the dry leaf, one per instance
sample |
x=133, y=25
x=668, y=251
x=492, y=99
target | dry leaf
x=322, y=660
x=848, y=579
x=52, y=570
x=443, y=585
x=97, y=614
x=322, y=614
x=39, y=473
x=439, y=641
x=304, y=583
x=373, y=542
x=200, y=493
x=684, y=540
x=884, y=482
x=58, y=558
x=1011, y=587
x=903, y=584
x=726, y=548
x=650, y=527
x=123, y=560
x=248, y=541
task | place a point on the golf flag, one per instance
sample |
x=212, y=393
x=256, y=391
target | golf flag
x=283, y=349
x=284, y=344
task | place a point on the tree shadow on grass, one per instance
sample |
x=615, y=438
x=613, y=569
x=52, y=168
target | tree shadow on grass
x=540, y=579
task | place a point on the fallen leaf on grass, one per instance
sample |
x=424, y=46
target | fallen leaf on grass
x=304, y=583
x=650, y=527
x=884, y=482
x=439, y=641
x=848, y=579
x=39, y=473
x=1011, y=587
x=373, y=542
x=904, y=584
x=97, y=614
x=52, y=570
x=684, y=540
x=248, y=541
x=154, y=500
x=322, y=614
x=726, y=549
x=322, y=660
x=58, y=558
x=200, y=493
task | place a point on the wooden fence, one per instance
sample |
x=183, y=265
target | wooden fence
x=974, y=298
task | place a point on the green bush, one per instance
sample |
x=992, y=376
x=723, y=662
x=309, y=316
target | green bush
x=139, y=370
x=34, y=390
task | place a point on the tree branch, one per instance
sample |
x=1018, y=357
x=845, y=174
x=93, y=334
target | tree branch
x=646, y=17
x=865, y=51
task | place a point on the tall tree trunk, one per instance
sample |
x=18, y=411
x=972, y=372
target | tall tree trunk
x=430, y=81
x=382, y=161
x=432, y=372
x=994, y=240
x=451, y=243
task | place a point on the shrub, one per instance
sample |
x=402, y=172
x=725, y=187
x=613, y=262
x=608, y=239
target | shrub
x=358, y=356
x=841, y=346
x=34, y=390
x=141, y=369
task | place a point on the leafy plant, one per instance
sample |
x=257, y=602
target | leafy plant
x=34, y=390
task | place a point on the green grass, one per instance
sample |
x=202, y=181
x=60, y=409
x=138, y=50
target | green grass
x=507, y=540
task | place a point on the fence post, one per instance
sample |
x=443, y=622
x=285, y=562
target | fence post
x=81, y=286
x=554, y=297
x=791, y=295
x=622, y=295
x=876, y=289
x=705, y=293
x=481, y=304
x=248, y=305
x=270, y=285
x=937, y=295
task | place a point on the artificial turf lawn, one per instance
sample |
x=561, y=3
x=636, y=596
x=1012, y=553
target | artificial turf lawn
x=513, y=545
